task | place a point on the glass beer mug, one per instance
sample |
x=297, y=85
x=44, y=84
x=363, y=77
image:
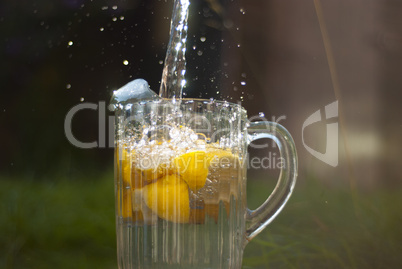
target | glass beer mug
x=180, y=164
x=180, y=183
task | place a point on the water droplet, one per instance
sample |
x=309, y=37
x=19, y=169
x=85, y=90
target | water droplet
x=160, y=62
x=199, y=53
x=82, y=99
x=261, y=115
x=243, y=83
x=203, y=39
x=114, y=7
x=114, y=19
x=121, y=18
x=68, y=86
x=105, y=7
x=70, y=43
x=228, y=24
x=125, y=62
x=101, y=29
x=194, y=47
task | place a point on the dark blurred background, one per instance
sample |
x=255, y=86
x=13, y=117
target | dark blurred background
x=296, y=58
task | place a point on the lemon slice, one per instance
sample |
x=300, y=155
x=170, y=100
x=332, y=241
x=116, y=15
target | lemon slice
x=193, y=167
x=169, y=199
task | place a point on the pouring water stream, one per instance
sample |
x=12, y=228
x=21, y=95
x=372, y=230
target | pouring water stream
x=173, y=75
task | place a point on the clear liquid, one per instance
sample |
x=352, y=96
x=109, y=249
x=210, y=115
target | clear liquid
x=211, y=235
x=166, y=245
x=173, y=76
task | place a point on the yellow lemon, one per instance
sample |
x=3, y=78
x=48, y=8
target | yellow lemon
x=133, y=176
x=193, y=167
x=214, y=156
x=125, y=208
x=141, y=213
x=151, y=164
x=132, y=206
x=169, y=199
x=138, y=170
x=123, y=158
x=146, y=176
x=123, y=193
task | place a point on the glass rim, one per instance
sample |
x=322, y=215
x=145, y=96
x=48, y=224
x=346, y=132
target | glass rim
x=191, y=100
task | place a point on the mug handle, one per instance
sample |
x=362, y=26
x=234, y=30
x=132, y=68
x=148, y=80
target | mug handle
x=257, y=220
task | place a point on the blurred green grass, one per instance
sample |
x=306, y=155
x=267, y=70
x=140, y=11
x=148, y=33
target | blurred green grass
x=70, y=224
x=57, y=224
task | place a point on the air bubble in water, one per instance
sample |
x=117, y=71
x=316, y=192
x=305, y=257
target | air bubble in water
x=203, y=39
x=125, y=62
x=243, y=83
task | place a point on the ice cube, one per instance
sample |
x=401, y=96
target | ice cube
x=133, y=92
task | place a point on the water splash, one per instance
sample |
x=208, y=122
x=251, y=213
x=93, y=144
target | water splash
x=173, y=76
